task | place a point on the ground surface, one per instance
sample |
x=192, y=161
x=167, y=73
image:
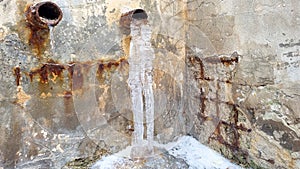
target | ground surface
x=187, y=152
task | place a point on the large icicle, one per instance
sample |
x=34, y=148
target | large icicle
x=147, y=55
x=140, y=83
x=52, y=42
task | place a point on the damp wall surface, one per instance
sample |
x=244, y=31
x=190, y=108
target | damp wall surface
x=225, y=72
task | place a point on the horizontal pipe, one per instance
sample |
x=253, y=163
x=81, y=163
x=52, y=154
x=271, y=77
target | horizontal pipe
x=44, y=14
x=126, y=19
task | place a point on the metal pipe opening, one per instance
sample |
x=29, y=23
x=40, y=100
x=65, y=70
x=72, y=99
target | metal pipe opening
x=126, y=19
x=139, y=14
x=44, y=14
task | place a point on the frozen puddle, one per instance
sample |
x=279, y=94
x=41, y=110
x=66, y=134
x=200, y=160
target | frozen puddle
x=187, y=149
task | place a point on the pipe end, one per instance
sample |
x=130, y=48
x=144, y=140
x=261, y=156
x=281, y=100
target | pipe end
x=127, y=18
x=139, y=14
x=44, y=14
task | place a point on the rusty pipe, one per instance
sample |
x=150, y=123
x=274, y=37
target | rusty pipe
x=44, y=14
x=126, y=19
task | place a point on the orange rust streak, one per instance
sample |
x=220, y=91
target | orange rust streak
x=38, y=39
x=17, y=72
x=126, y=45
x=76, y=75
x=35, y=37
x=224, y=60
x=76, y=70
x=110, y=65
x=45, y=70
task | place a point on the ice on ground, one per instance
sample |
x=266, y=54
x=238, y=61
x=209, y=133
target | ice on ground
x=195, y=154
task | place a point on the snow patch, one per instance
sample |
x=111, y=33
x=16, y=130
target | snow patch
x=195, y=154
x=199, y=156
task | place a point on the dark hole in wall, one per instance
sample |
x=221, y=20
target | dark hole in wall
x=139, y=14
x=49, y=11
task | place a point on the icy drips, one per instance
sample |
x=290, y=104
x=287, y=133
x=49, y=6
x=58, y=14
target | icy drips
x=52, y=42
x=140, y=83
x=147, y=54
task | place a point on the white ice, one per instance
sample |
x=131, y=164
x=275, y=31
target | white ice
x=140, y=81
x=52, y=42
x=195, y=154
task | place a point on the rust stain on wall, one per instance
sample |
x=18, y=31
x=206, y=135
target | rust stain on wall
x=124, y=23
x=225, y=60
x=106, y=67
x=76, y=75
x=54, y=71
x=17, y=73
x=227, y=133
x=51, y=69
x=37, y=37
x=126, y=44
x=200, y=74
x=233, y=130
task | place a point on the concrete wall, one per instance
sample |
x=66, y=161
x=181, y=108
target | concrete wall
x=226, y=72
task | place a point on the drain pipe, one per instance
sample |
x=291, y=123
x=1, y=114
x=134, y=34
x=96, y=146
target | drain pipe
x=126, y=19
x=44, y=14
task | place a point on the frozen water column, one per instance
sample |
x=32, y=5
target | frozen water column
x=140, y=82
x=147, y=56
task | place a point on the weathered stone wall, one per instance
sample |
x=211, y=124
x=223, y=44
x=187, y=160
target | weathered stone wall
x=226, y=72
x=247, y=109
